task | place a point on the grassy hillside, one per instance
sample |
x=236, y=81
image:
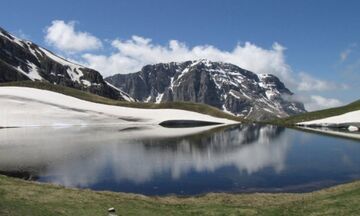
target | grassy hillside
x=18, y=197
x=318, y=114
x=200, y=108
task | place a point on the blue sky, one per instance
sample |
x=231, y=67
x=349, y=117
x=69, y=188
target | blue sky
x=321, y=37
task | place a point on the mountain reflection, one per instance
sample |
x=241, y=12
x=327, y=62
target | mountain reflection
x=83, y=156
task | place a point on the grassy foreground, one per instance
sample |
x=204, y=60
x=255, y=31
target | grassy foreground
x=196, y=107
x=317, y=114
x=18, y=197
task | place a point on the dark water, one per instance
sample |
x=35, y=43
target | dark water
x=149, y=160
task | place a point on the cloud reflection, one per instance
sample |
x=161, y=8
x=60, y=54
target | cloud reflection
x=83, y=156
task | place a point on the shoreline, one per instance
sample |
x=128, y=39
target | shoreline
x=355, y=136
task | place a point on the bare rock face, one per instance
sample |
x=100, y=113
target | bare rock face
x=222, y=85
x=24, y=60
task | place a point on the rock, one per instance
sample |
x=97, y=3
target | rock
x=353, y=128
x=111, y=209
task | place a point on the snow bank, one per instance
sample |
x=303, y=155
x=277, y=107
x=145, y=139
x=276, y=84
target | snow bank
x=350, y=117
x=21, y=106
x=346, y=120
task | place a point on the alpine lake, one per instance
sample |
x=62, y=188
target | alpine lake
x=153, y=160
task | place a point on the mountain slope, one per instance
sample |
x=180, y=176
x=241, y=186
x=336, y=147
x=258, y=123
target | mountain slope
x=222, y=85
x=22, y=106
x=320, y=114
x=24, y=60
x=83, y=95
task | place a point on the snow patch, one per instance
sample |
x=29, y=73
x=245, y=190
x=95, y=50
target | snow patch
x=348, y=117
x=86, y=82
x=159, y=98
x=33, y=73
x=14, y=39
x=46, y=108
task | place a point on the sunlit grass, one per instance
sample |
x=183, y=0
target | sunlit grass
x=18, y=197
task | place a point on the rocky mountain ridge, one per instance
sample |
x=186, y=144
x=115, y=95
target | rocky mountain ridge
x=24, y=60
x=222, y=85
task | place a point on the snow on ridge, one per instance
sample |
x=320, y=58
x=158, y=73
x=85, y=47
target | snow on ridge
x=46, y=108
x=59, y=59
x=123, y=94
x=14, y=39
x=73, y=71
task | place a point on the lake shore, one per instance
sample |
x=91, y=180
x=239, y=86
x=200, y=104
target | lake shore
x=20, y=197
x=328, y=131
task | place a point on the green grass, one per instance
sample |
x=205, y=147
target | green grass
x=200, y=108
x=317, y=114
x=18, y=197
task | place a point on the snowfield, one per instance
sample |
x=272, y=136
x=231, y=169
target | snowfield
x=22, y=106
x=350, y=120
x=347, y=118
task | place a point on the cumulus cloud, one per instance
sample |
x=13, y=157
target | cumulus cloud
x=317, y=102
x=132, y=54
x=309, y=83
x=63, y=36
x=138, y=51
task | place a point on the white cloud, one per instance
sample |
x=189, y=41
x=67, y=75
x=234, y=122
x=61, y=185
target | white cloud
x=309, y=83
x=317, y=102
x=63, y=36
x=131, y=55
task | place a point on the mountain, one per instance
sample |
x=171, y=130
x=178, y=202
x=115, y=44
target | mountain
x=222, y=85
x=24, y=60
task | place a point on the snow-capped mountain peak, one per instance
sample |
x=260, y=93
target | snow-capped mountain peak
x=223, y=85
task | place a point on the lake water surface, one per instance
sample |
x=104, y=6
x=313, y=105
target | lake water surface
x=155, y=161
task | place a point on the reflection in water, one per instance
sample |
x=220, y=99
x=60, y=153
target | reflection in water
x=104, y=157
